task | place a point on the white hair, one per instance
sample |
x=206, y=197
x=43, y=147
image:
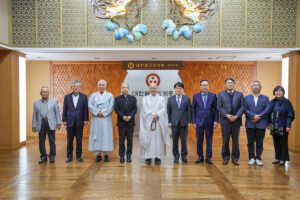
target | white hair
x=124, y=84
x=74, y=82
x=44, y=87
x=101, y=80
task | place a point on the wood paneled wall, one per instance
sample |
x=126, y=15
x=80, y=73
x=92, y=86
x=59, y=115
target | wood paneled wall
x=88, y=73
x=216, y=72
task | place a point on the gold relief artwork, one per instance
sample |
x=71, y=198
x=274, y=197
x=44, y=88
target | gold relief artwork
x=188, y=12
x=123, y=18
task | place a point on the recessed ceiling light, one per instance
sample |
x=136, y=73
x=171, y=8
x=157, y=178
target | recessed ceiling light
x=153, y=58
x=267, y=58
x=39, y=57
x=97, y=58
x=209, y=58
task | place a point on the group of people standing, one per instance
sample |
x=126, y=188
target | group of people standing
x=204, y=113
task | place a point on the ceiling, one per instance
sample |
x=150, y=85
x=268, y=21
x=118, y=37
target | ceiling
x=166, y=54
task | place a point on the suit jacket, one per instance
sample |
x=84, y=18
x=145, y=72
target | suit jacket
x=224, y=107
x=78, y=114
x=205, y=116
x=122, y=110
x=262, y=108
x=182, y=114
x=53, y=114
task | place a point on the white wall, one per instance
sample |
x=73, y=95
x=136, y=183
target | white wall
x=4, y=22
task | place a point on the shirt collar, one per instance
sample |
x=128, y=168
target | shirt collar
x=204, y=94
x=75, y=95
x=45, y=100
x=255, y=95
x=231, y=91
x=103, y=93
x=179, y=96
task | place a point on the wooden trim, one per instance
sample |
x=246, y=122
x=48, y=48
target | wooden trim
x=12, y=147
x=51, y=80
x=16, y=53
x=219, y=62
x=292, y=53
x=87, y=62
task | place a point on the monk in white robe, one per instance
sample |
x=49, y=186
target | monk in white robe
x=154, y=132
x=101, y=105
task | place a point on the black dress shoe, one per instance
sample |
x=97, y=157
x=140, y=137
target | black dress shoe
x=148, y=161
x=69, y=160
x=42, y=160
x=79, y=159
x=275, y=162
x=129, y=158
x=157, y=161
x=184, y=160
x=176, y=160
x=208, y=161
x=122, y=159
x=98, y=158
x=106, y=159
x=200, y=160
x=225, y=162
x=281, y=163
x=236, y=162
x=52, y=160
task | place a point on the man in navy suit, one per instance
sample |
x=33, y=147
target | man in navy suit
x=75, y=116
x=257, y=110
x=179, y=118
x=205, y=118
x=231, y=105
x=126, y=108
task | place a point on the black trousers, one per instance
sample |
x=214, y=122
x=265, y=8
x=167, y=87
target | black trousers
x=42, y=138
x=281, y=147
x=182, y=132
x=76, y=132
x=233, y=131
x=125, y=132
x=255, y=135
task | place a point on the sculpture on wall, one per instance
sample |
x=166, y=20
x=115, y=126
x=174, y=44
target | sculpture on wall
x=123, y=17
x=186, y=13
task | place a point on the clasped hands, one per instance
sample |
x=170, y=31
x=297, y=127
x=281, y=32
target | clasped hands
x=155, y=117
x=100, y=114
x=127, y=118
x=231, y=118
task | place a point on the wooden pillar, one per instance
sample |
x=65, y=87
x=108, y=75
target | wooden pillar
x=9, y=101
x=294, y=96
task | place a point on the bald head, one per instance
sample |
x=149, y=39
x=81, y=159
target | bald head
x=153, y=88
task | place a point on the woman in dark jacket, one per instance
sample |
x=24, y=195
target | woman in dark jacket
x=281, y=118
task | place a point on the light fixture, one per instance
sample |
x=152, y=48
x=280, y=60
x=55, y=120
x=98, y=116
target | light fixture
x=22, y=99
x=285, y=75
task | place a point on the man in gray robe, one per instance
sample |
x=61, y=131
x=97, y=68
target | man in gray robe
x=101, y=105
x=154, y=132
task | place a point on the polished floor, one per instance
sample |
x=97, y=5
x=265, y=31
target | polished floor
x=21, y=177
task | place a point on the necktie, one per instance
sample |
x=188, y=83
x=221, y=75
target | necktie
x=204, y=100
x=178, y=102
x=230, y=93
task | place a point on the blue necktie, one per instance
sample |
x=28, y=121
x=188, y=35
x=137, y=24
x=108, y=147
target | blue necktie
x=178, y=102
x=204, y=100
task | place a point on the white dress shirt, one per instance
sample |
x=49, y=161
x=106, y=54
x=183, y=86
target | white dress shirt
x=75, y=99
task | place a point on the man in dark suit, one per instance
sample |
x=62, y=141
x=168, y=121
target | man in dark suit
x=75, y=117
x=126, y=108
x=179, y=117
x=205, y=117
x=231, y=105
x=257, y=110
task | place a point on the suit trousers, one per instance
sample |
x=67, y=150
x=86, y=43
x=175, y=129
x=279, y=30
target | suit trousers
x=255, y=135
x=281, y=147
x=209, y=131
x=42, y=138
x=182, y=132
x=76, y=132
x=233, y=131
x=125, y=132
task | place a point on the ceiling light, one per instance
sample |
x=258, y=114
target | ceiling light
x=267, y=58
x=97, y=58
x=153, y=58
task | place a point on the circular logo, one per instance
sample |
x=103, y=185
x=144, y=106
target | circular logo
x=152, y=78
x=130, y=65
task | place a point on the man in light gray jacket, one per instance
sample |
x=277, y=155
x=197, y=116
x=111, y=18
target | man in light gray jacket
x=45, y=119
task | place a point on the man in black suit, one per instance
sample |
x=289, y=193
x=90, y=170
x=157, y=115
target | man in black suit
x=126, y=108
x=231, y=105
x=179, y=117
x=75, y=117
